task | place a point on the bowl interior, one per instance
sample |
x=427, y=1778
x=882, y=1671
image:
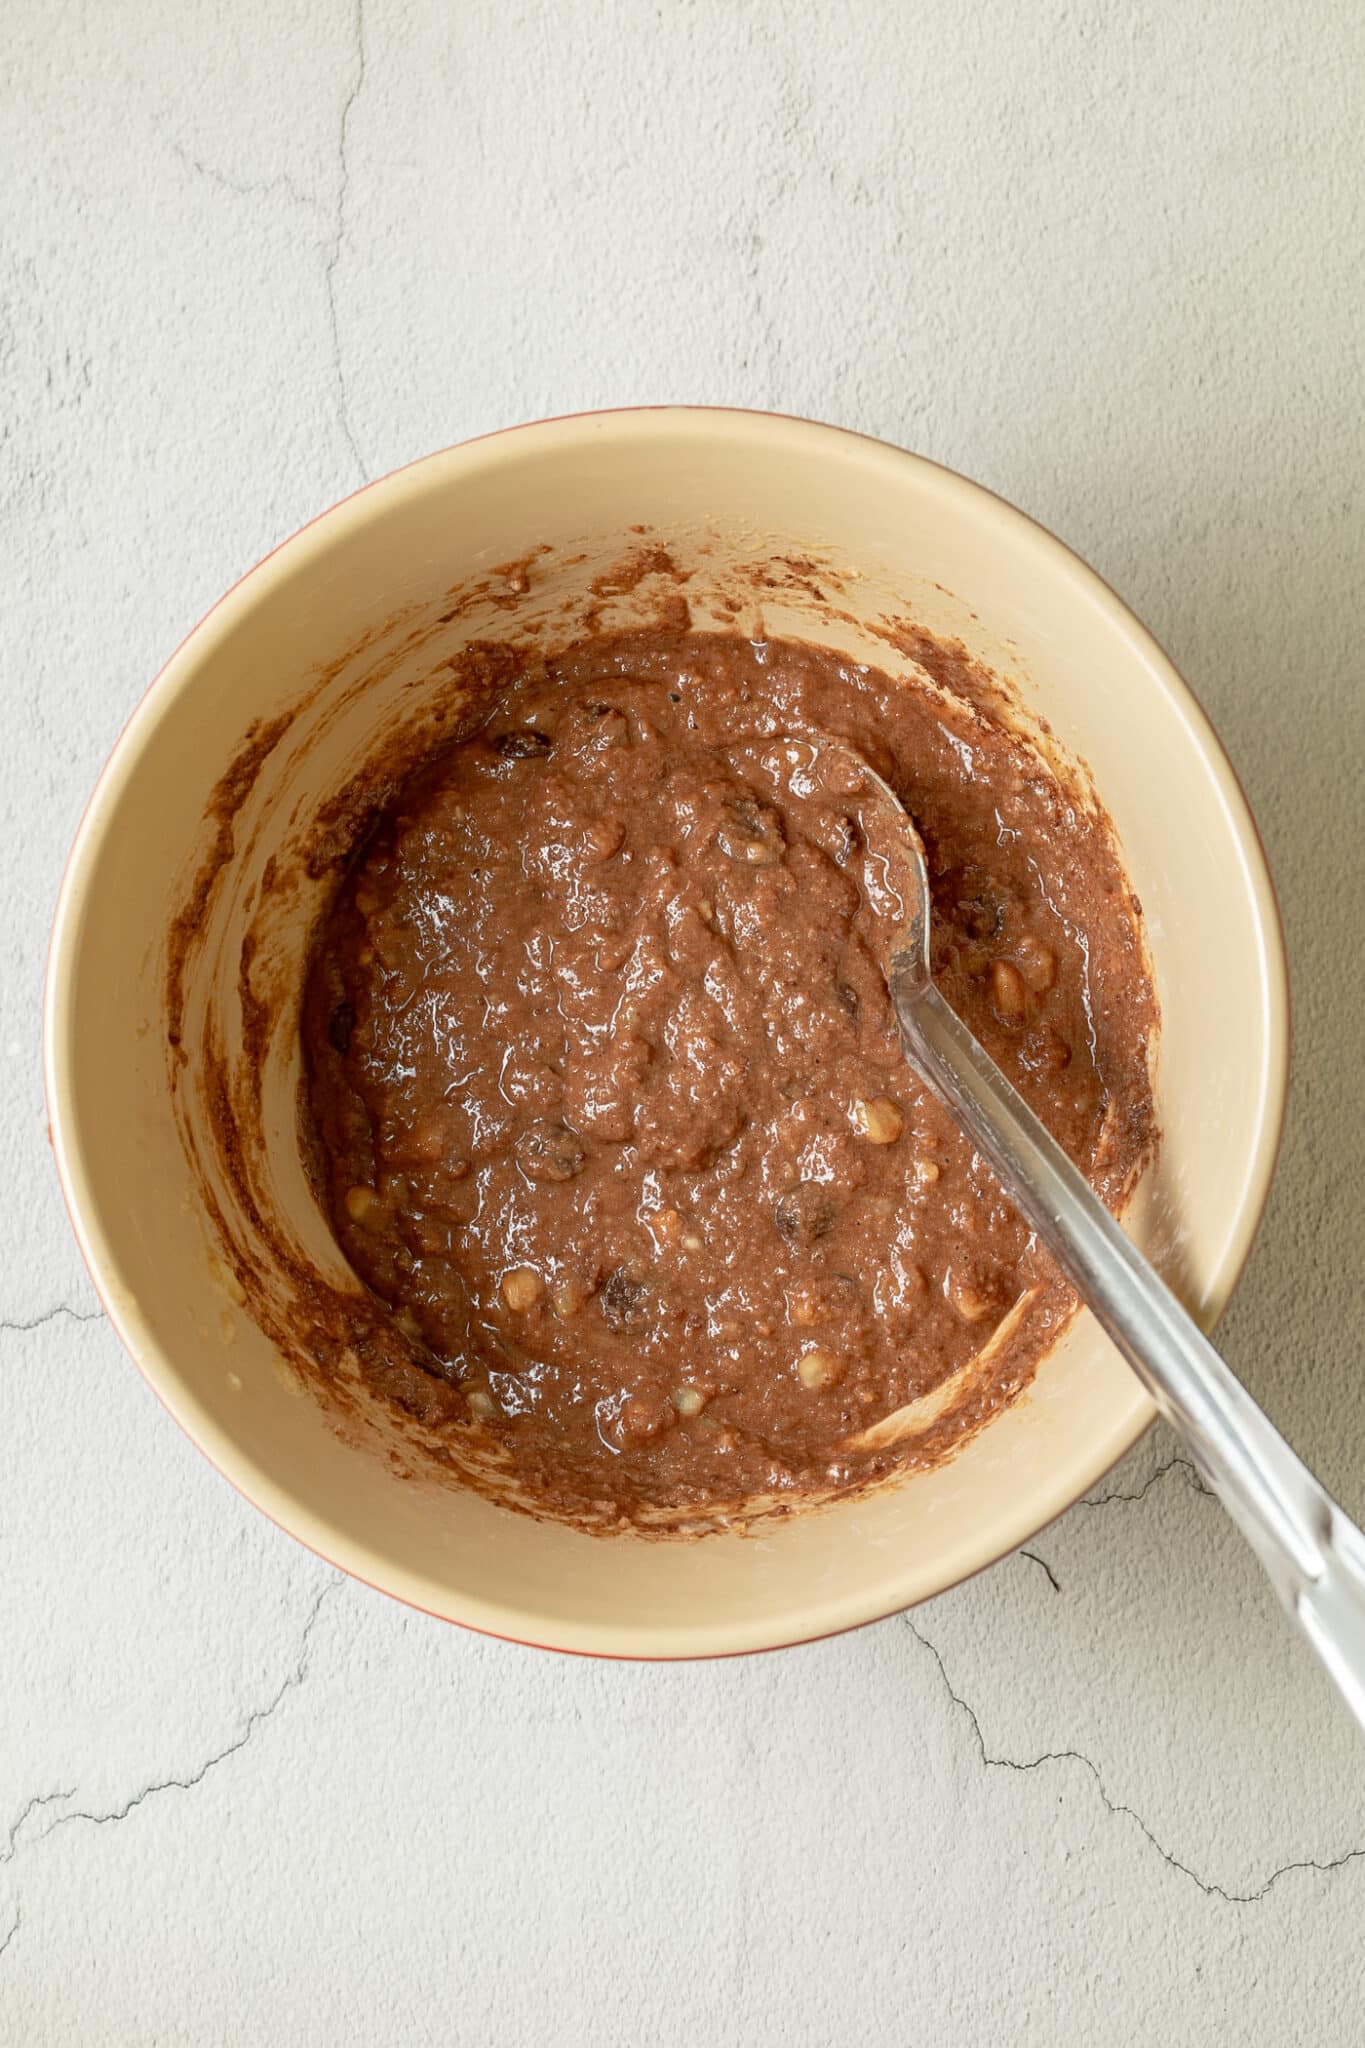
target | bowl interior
x=306, y=671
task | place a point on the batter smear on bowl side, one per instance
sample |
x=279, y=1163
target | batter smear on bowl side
x=606, y=1092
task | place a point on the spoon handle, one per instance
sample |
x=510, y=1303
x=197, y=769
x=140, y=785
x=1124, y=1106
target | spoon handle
x=1313, y=1552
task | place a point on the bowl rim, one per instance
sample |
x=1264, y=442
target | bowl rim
x=370, y=501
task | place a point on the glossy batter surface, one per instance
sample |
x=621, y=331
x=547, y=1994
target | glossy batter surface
x=608, y=1095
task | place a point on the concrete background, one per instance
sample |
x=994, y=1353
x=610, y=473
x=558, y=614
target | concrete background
x=1106, y=258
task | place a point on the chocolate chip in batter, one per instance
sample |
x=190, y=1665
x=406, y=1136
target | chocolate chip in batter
x=339, y=1028
x=805, y=1214
x=980, y=910
x=624, y=1299
x=549, y=1150
x=523, y=743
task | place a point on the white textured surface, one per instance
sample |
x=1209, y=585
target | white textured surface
x=1108, y=260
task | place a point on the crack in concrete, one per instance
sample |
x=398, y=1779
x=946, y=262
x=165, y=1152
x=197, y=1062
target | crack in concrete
x=50, y=1315
x=256, y=1719
x=247, y=188
x=1117, y=1806
x=338, y=238
x=1043, y=1566
x=1175, y=1464
x=18, y=1922
x=38, y=1800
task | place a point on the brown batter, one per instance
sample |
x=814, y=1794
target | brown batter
x=608, y=1094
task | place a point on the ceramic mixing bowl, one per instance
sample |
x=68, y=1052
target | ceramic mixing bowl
x=189, y=897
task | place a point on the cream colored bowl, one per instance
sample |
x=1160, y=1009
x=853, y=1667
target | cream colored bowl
x=344, y=627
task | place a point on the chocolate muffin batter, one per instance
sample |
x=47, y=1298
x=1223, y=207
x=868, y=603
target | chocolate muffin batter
x=608, y=1096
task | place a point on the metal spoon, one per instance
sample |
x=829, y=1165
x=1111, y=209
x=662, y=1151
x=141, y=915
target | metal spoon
x=1313, y=1552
